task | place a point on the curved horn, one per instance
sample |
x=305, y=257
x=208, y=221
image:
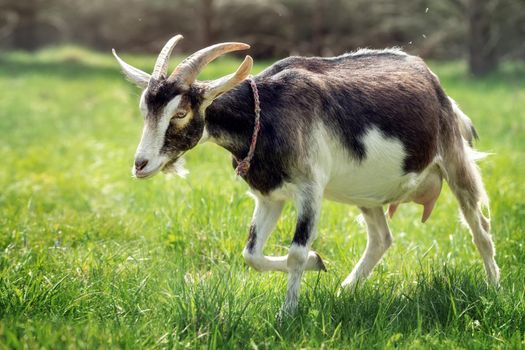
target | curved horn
x=221, y=85
x=135, y=75
x=161, y=66
x=188, y=69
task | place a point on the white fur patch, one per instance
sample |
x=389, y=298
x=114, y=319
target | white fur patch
x=376, y=179
x=153, y=137
x=171, y=107
x=153, y=134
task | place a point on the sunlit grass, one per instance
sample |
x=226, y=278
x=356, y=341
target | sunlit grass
x=90, y=257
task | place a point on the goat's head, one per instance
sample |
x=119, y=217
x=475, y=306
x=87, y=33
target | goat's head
x=174, y=106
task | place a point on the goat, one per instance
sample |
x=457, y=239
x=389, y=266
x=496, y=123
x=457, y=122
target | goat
x=368, y=128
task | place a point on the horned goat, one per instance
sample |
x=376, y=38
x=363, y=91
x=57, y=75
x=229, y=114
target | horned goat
x=371, y=128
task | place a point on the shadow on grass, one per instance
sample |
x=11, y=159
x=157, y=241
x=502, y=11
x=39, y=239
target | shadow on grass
x=224, y=309
x=455, y=303
x=444, y=301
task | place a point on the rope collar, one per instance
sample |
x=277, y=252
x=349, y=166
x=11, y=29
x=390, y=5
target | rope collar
x=243, y=166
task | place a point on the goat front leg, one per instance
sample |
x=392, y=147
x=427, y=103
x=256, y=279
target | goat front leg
x=264, y=220
x=379, y=240
x=308, y=204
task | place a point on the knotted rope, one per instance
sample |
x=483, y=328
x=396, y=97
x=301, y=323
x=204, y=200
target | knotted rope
x=243, y=166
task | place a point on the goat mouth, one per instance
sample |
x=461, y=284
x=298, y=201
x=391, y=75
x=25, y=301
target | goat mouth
x=147, y=175
x=165, y=167
x=142, y=175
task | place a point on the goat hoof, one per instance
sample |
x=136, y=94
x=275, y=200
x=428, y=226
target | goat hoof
x=320, y=264
x=314, y=262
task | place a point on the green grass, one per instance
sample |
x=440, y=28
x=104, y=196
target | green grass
x=91, y=258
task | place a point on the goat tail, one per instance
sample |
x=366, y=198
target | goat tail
x=468, y=131
x=459, y=166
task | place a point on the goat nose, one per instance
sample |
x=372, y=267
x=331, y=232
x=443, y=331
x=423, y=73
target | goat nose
x=140, y=163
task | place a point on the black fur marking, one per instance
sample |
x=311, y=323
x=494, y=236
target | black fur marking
x=159, y=93
x=230, y=119
x=252, y=238
x=304, y=227
x=176, y=139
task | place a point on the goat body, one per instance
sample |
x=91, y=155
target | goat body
x=369, y=128
x=366, y=120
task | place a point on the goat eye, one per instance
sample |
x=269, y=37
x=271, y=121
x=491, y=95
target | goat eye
x=179, y=114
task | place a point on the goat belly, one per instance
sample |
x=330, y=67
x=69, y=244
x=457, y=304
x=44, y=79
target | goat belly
x=377, y=179
x=379, y=190
x=380, y=177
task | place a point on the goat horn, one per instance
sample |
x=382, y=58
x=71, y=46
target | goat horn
x=135, y=75
x=161, y=66
x=188, y=69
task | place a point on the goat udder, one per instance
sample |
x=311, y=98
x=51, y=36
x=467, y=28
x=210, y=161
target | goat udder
x=426, y=195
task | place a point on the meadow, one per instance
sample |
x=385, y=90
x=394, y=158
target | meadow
x=92, y=258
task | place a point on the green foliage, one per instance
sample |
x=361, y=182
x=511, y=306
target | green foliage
x=91, y=258
x=275, y=28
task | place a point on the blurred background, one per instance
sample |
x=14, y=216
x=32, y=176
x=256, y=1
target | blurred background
x=484, y=32
x=92, y=259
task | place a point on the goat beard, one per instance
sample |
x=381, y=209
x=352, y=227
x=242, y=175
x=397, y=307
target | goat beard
x=176, y=167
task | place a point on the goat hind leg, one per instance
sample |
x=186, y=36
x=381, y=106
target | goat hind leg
x=379, y=240
x=465, y=181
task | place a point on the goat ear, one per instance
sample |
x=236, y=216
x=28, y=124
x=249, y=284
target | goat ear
x=221, y=85
x=135, y=75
